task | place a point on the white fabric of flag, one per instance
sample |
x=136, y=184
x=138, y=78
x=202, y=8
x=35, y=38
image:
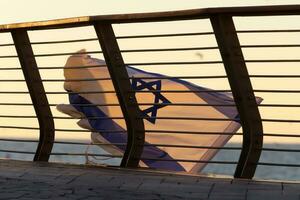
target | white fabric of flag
x=104, y=130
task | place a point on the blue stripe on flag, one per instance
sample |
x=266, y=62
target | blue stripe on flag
x=119, y=137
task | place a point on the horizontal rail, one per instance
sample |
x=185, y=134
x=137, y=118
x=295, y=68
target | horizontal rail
x=14, y=151
x=167, y=49
x=66, y=54
x=271, y=46
x=152, y=104
x=278, y=164
x=62, y=154
x=58, y=117
x=73, y=67
x=270, y=31
x=281, y=120
x=76, y=80
x=149, y=104
x=7, y=45
x=186, y=104
x=153, y=131
x=193, y=161
x=190, y=118
x=93, y=130
x=141, y=91
x=281, y=135
x=181, y=77
x=277, y=91
x=89, y=143
x=74, y=130
x=114, y=131
x=85, y=154
x=275, y=76
x=273, y=61
x=82, y=105
x=89, y=105
x=96, y=66
x=14, y=92
x=63, y=130
x=164, y=35
x=117, y=37
x=20, y=127
x=10, y=68
x=64, y=41
x=180, y=91
x=156, y=131
x=18, y=116
x=279, y=105
x=102, y=131
x=219, y=162
x=281, y=150
x=190, y=132
x=170, y=63
x=88, y=117
x=162, y=118
x=193, y=146
x=60, y=142
x=12, y=80
x=83, y=92
x=158, y=145
x=65, y=68
x=18, y=140
x=9, y=56
x=108, y=78
x=176, y=63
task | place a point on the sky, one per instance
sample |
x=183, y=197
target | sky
x=35, y=10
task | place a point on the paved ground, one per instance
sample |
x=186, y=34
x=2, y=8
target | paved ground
x=28, y=180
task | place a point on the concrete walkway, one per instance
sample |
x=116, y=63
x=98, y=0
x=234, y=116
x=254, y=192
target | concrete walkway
x=28, y=180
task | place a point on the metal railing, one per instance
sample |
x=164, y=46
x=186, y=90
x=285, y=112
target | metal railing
x=228, y=44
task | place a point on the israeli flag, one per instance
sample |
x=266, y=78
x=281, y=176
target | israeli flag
x=159, y=109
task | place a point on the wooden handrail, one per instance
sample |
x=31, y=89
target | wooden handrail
x=156, y=16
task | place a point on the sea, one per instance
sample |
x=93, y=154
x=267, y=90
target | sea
x=291, y=173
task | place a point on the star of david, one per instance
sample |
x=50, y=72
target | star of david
x=155, y=87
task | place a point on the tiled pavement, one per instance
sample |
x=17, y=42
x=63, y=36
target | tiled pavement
x=28, y=180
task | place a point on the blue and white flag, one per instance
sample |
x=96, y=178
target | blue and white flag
x=103, y=126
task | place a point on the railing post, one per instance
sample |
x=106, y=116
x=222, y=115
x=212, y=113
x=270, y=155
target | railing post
x=37, y=94
x=242, y=91
x=126, y=97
